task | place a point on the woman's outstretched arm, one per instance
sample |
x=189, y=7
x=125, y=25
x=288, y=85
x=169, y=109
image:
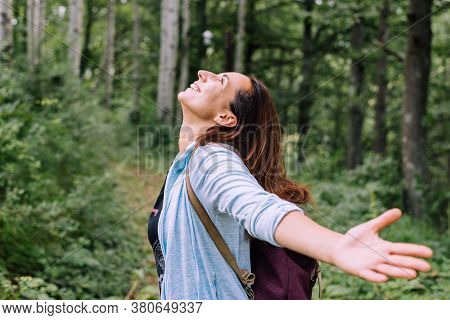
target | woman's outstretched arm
x=360, y=251
x=224, y=184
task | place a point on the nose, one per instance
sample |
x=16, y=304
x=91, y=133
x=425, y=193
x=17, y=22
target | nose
x=203, y=75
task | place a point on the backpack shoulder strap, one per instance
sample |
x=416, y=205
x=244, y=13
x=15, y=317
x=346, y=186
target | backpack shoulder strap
x=245, y=277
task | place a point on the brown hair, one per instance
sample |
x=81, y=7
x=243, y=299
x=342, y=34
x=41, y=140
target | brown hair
x=257, y=138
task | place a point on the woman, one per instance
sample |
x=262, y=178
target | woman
x=237, y=173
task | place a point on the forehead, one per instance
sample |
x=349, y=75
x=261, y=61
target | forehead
x=238, y=80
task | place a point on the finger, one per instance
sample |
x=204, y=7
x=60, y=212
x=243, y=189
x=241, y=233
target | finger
x=409, y=262
x=385, y=219
x=411, y=249
x=373, y=276
x=396, y=272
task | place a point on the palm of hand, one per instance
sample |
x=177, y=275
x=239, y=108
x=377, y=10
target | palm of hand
x=363, y=253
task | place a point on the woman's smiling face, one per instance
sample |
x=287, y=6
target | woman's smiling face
x=208, y=98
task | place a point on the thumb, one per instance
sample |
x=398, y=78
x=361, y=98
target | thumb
x=385, y=219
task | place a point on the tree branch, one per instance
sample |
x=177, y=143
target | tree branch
x=389, y=51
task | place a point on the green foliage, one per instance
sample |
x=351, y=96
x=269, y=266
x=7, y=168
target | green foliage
x=356, y=196
x=64, y=230
x=63, y=227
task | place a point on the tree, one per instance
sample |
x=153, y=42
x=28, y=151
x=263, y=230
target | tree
x=250, y=32
x=75, y=32
x=108, y=66
x=136, y=71
x=167, y=57
x=86, y=56
x=6, y=32
x=356, y=114
x=229, y=50
x=379, y=145
x=417, y=69
x=35, y=27
x=184, y=66
x=199, y=25
x=307, y=71
x=239, y=55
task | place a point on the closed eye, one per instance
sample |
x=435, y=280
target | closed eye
x=223, y=78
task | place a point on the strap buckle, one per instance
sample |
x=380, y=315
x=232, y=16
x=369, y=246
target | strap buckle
x=247, y=277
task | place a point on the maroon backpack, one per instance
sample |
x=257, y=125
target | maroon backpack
x=282, y=274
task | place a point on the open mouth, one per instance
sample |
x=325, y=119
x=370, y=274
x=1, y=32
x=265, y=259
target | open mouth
x=194, y=87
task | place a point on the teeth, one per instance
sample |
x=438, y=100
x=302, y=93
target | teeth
x=194, y=87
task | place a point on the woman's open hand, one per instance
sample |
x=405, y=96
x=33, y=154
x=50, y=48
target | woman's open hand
x=363, y=253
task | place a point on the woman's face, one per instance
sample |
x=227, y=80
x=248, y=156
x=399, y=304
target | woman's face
x=208, y=99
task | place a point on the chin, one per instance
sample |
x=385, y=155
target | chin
x=185, y=97
x=182, y=97
x=183, y=100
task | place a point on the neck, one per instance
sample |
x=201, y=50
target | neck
x=186, y=137
x=191, y=128
x=189, y=132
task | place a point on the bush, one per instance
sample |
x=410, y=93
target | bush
x=63, y=228
x=355, y=196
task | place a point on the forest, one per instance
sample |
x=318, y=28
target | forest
x=89, y=122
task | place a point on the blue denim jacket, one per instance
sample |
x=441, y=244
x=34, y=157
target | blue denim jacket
x=237, y=204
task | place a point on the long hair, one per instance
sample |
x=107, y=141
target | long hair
x=257, y=138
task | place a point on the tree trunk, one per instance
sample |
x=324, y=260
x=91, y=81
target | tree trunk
x=6, y=31
x=109, y=52
x=417, y=69
x=184, y=67
x=278, y=79
x=249, y=31
x=307, y=72
x=240, y=38
x=198, y=47
x=379, y=145
x=86, y=56
x=356, y=114
x=229, y=50
x=135, y=113
x=35, y=27
x=75, y=32
x=167, y=58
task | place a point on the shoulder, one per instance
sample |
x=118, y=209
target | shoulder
x=216, y=148
x=214, y=162
x=214, y=154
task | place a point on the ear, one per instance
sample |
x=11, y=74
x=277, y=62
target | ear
x=226, y=119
